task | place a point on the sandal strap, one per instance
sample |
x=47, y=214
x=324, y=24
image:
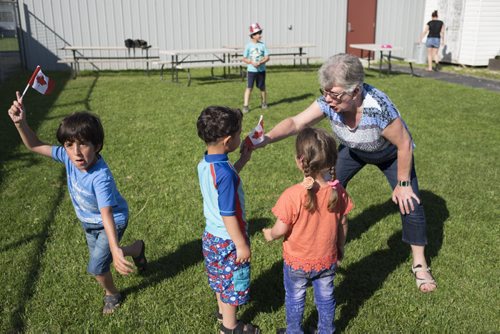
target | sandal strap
x=241, y=328
x=418, y=268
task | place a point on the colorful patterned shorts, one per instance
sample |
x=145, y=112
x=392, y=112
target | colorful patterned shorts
x=230, y=279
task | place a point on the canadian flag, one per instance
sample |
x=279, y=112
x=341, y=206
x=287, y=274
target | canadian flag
x=256, y=136
x=41, y=82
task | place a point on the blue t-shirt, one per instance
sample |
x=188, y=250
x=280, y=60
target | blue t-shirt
x=255, y=52
x=378, y=113
x=92, y=190
x=222, y=194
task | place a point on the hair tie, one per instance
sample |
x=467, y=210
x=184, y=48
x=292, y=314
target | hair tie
x=308, y=182
x=333, y=184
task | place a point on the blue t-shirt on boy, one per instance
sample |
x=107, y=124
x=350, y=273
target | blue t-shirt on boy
x=92, y=190
x=255, y=52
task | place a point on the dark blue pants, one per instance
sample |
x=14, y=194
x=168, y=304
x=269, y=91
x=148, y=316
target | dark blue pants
x=351, y=161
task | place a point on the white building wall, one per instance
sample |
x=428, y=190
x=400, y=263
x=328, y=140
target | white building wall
x=398, y=24
x=49, y=25
x=481, y=32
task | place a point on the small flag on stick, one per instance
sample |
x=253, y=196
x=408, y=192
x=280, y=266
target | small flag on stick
x=40, y=82
x=256, y=136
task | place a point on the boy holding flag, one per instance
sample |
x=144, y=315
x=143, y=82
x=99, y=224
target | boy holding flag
x=100, y=208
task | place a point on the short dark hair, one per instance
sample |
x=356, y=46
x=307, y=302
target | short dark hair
x=216, y=122
x=81, y=126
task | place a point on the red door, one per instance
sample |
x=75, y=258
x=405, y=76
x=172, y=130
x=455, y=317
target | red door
x=361, y=17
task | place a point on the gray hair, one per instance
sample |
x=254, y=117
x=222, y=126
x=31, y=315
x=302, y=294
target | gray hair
x=343, y=70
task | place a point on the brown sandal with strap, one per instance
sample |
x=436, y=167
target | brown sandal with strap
x=241, y=328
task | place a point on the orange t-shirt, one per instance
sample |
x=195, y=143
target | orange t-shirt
x=311, y=243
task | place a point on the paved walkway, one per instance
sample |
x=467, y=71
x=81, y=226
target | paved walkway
x=493, y=85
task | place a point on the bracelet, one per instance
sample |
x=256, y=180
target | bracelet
x=406, y=183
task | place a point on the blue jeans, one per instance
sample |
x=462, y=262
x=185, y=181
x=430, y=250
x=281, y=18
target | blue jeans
x=296, y=282
x=350, y=162
x=100, y=257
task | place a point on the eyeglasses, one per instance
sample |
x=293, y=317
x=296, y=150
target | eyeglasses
x=333, y=95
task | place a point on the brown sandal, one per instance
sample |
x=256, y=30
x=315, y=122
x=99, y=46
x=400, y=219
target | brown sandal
x=241, y=328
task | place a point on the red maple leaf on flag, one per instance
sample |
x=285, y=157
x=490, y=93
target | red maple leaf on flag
x=41, y=80
x=257, y=134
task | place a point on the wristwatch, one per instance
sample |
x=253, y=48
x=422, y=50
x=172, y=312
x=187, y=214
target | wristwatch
x=406, y=183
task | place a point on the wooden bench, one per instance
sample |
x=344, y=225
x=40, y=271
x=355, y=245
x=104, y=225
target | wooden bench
x=277, y=60
x=117, y=55
x=410, y=62
x=188, y=66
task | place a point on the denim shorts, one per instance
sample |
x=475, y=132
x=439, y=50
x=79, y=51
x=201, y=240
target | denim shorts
x=259, y=78
x=100, y=257
x=226, y=277
x=433, y=42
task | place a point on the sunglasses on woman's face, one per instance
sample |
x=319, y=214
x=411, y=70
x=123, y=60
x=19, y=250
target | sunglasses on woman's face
x=333, y=95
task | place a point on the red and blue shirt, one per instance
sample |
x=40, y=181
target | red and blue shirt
x=222, y=193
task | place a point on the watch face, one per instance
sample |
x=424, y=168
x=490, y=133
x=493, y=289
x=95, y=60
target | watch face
x=404, y=183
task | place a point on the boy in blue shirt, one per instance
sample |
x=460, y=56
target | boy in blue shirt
x=226, y=245
x=102, y=211
x=256, y=56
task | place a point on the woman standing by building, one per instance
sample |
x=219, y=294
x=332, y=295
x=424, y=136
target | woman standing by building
x=434, y=29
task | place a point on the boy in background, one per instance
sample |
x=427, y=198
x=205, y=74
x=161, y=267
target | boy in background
x=256, y=56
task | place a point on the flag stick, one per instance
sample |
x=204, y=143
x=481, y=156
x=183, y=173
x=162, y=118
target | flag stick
x=32, y=79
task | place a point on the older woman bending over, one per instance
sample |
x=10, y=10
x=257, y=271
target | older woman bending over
x=371, y=131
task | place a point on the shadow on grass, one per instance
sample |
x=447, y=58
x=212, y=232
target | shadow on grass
x=38, y=107
x=364, y=278
x=33, y=271
x=185, y=256
x=292, y=99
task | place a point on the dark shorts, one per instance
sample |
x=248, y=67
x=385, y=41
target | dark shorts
x=259, y=78
x=231, y=280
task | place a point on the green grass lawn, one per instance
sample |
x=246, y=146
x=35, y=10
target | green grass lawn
x=9, y=44
x=152, y=148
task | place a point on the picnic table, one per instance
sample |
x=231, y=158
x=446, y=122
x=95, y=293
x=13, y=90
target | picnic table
x=382, y=48
x=280, y=52
x=186, y=59
x=114, y=54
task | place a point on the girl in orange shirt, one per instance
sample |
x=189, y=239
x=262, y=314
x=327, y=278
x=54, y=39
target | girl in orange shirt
x=312, y=218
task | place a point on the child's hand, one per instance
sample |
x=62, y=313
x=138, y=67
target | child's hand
x=123, y=266
x=16, y=111
x=245, y=153
x=243, y=253
x=267, y=234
